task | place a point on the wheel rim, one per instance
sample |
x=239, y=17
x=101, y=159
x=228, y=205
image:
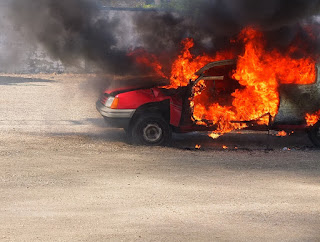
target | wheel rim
x=152, y=133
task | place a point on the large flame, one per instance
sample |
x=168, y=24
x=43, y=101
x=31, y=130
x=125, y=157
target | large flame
x=259, y=72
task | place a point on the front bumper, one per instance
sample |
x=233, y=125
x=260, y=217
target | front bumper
x=119, y=118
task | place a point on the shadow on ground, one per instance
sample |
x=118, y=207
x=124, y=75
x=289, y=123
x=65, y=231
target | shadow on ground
x=245, y=140
x=233, y=141
x=7, y=80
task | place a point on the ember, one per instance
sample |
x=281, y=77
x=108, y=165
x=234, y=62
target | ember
x=282, y=133
x=214, y=135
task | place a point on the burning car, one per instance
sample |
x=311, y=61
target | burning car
x=150, y=115
x=260, y=89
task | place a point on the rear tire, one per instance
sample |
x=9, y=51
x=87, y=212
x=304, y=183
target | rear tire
x=314, y=134
x=151, y=129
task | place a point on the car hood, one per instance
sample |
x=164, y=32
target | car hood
x=136, y=83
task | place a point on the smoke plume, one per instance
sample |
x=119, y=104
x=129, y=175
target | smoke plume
x=75, y=30
x=212, y=22
x=72, y=30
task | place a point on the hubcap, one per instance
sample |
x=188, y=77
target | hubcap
x=152, y=132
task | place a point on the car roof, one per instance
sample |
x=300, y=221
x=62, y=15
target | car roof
x=214, y=64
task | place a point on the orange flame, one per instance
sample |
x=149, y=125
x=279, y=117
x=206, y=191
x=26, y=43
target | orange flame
x=312, y=119
x=185, y=66
x=142, y=57
x=259, y=72
x=214, y=135
x=282, y=133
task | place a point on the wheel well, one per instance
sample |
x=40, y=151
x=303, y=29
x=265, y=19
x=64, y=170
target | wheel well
x=162, y=108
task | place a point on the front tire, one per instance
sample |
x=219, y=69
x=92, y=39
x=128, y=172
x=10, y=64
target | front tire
x=152, y=130
x=314, y=134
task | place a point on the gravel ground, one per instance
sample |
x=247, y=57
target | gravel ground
x=65, y=176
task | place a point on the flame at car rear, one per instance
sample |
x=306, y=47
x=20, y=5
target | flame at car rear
x=259, y=72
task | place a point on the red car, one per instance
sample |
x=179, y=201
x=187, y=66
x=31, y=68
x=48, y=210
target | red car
x=150, y=115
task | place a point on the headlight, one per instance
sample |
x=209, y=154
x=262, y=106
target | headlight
x=112, y=102
x=109, y=102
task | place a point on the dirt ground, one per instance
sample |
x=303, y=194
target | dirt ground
x=65, y=176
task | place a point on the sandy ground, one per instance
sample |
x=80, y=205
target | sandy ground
x=65, y=176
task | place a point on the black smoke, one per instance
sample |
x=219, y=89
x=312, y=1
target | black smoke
x=229, y=16
x=74, y=30
x=213, y=22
